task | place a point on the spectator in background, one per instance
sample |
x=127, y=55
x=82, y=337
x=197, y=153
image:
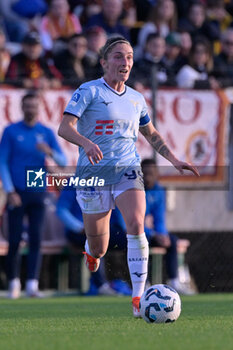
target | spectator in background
x=21, y=16
x=155, y=224
x=73, y=62
x=173, y=58
x=16, y=26
x=85, y=9
x=223, y=63
x=32, y=11
x=216, y=11
x=96, y=38
x=4, y=56
x=29, y=69
x=110, y=18
x=59, y=23
x=94, y=7
x=25, y=145
x=197, y=73
x=143, y=8
x=196, y=23
x=29, y=9
x=229, y=6
x=183, y=7
x=129, y=13
x=153, y=58
x=162, y=19
x=185, y=44
x=219, y=18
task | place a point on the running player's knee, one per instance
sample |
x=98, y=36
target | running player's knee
x=136, y=224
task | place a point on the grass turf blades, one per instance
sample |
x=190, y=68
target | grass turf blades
x=100, y=323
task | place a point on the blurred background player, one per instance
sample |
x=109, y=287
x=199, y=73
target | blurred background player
x=25, y=144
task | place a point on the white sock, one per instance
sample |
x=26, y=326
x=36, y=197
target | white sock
x=138, y=252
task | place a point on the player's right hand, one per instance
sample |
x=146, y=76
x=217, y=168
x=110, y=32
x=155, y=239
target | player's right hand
x=93, y=152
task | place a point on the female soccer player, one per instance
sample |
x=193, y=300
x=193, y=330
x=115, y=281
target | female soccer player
x=109, y=115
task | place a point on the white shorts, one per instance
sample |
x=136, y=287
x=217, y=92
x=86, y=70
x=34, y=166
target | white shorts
x=94, y=200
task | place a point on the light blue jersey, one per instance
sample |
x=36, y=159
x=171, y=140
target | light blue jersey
x=111, y=120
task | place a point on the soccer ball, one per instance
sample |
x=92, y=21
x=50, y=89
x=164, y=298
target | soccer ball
x=160, y=304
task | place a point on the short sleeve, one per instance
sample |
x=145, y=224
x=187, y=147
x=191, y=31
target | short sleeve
x=144, y=118
x=79, y=101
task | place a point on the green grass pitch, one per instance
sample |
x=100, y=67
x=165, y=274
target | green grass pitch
x=99, y=323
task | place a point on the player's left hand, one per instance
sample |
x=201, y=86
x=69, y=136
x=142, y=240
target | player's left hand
x=181, y=166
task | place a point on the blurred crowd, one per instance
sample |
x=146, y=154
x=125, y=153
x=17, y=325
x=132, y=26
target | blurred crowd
x=55, y=43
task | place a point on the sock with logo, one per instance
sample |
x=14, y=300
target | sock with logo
x=137, y=256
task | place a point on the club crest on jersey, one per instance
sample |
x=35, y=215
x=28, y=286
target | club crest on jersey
x=104, y=127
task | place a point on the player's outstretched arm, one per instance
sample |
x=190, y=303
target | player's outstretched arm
x=68, y=131
x=157, y=142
